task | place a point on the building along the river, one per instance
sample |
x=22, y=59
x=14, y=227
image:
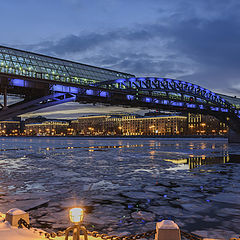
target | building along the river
x=199, y=124
x=90, y=125
x=118, y=124
x=130, y=125
x=10, y=127
x=48, y=128
x=162, y=125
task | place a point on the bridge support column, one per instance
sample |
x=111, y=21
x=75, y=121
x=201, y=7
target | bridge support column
x=3, y=90
x=4, y=105
x=5, y=99
x=233, y=137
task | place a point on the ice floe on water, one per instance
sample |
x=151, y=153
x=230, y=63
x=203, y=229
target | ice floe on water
x=126, y=188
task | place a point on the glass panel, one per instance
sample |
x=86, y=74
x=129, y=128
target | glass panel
x=24, y=63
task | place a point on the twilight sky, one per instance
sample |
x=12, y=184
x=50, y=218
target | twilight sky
x=195, y=41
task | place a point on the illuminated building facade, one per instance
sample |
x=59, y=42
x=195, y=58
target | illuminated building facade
x=199, y=124
x=91, y=125
x=130, y=125
x=118, y=125
x=112, y=125
x=48, y=128
x=10, y=128
x=164, y=125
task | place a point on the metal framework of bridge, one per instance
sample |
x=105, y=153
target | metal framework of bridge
x=43, y=81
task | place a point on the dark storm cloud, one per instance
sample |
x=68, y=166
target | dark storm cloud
x=215, y=42
x=83, y=42
x=115, y=56
x=72, y=44
x=140, y=64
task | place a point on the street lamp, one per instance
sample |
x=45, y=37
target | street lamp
x=76, y=217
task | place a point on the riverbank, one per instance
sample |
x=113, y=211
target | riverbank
x=125, y=137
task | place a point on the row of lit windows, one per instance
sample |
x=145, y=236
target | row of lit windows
x=47, y=124
x=47, y=76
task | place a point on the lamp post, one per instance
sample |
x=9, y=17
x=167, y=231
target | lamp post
x=76, y=217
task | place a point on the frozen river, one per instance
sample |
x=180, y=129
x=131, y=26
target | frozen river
x=124, y=185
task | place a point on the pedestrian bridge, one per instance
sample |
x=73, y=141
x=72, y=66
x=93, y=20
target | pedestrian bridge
x=42, y=81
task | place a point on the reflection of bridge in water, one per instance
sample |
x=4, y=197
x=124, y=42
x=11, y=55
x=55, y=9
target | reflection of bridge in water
x=43, y=81
x=197, y=161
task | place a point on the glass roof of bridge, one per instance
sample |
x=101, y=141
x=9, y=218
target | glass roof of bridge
x=28, y=64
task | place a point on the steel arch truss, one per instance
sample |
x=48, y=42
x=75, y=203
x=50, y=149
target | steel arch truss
x=171, y=92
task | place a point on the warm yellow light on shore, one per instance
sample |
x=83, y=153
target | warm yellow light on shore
x=76, y=215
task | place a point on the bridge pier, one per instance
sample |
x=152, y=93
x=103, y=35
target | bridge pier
x=3, y=91
x=233, y=137
x=5, y=98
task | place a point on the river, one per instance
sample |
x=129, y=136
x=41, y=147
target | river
x=124, y=185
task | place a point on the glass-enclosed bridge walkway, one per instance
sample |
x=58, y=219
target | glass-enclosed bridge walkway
x=44, y=81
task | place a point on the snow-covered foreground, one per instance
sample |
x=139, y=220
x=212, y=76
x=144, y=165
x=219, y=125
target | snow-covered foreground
x=7, y=232
x=124, y=185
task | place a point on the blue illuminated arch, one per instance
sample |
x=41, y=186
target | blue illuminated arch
x=169, y=86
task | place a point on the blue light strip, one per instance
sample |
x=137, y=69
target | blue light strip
x=178, y=104
x=66, y=89
x=18, y=82
x=89, y=92
x=147, y=99
x=130, y=97
x=103, y=94
x=214, y=108
x=120, y=80
x=165, y=102
x=191, y=105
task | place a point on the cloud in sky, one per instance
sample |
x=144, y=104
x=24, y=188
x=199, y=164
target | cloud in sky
x=197, y=41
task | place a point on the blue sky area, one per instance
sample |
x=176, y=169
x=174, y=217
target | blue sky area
x=195, y=41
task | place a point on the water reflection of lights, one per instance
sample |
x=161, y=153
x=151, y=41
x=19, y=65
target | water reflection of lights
x=191, y=146
x=196, y=161
x=90, y=149
x=203, y=146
